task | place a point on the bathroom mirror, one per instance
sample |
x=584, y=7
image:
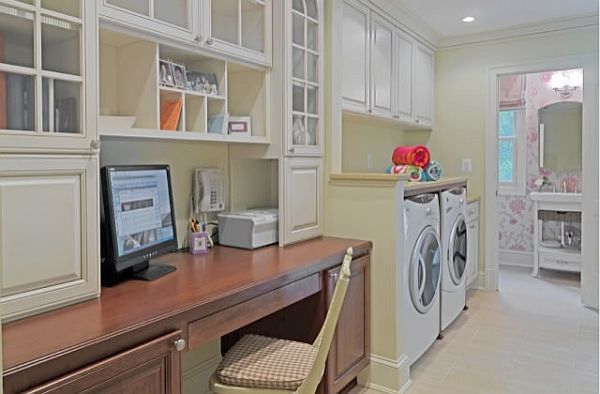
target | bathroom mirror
x=560, y=136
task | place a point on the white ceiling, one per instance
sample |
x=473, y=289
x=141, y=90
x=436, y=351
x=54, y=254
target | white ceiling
x=444, y=16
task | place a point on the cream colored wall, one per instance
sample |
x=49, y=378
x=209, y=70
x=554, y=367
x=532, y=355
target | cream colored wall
x=461, y=77
x=183, y=157
x=363, y=136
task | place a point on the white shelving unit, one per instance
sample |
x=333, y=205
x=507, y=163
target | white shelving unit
x=242, y=91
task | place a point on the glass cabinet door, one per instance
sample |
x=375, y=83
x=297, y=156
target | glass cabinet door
x=42, y=75
x=240, y=28
x=175, y=18
x=305, y=135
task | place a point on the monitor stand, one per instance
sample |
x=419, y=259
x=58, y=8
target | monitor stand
x=148, y=272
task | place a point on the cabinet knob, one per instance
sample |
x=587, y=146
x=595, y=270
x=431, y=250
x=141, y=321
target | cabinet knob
x=292, y=150
x=209, y=41
x=198, y=38
x=179, y=344
x=335, y=275
x=417, y=121
x=95, y=145
x=370, y=111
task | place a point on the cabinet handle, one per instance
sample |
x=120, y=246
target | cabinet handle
x=179, y=344
x=209, y=41
x=370, y=111
x=334, y=275
x=292, y=150
x=95, y=145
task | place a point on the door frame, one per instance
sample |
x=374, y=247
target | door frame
x=589, y=63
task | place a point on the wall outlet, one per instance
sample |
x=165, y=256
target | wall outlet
x=467, y=165
x=369, y=161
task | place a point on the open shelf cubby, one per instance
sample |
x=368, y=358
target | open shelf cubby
x=135, y=104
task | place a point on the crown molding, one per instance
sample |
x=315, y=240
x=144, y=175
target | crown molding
x=521, y=31
x=410, y=22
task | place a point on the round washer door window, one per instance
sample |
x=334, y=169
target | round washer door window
x=424, y=270
x=457, y=258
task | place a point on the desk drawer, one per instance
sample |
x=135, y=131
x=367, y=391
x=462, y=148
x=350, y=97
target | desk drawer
x=220, y=323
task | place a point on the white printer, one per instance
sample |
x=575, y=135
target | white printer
x=249, y=229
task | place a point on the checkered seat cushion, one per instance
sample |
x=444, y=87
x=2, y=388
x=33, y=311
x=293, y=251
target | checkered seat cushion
x=262, y=362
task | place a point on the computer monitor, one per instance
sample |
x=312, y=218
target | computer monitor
x=138, y=221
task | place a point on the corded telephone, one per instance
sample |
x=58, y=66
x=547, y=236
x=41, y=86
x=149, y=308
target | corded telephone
x=208, y=190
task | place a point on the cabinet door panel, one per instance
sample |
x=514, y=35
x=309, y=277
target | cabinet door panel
x=303, y=199
x=355, y=73
x=404, y=77
x=423, y=85
x=382, y=51
x=49, y=247
x=153, y=368
x=472, y=251
x=350, y=347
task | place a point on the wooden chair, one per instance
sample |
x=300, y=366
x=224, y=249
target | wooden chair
x=262, y=365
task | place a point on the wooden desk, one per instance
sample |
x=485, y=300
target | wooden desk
x=206, y=298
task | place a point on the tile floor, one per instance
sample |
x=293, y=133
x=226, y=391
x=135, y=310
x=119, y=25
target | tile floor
x=533, y=336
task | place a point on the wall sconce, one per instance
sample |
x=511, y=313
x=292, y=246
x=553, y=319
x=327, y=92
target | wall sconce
x=564, y=83
x=565, y=91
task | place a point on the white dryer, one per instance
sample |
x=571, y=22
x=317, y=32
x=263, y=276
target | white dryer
x=454, y=261
x=421, y=274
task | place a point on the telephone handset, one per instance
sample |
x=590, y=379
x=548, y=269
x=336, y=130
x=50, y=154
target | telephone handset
x=208, y=190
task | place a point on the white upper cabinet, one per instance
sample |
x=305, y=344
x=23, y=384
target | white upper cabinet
x=423, y=85
x=178, y=19
x=386, y=72
x=382, y=65
x=46, y=52
x=403, y=75
x=355, y=73
x=304, y=136
x=241, y=28
x=237, y=28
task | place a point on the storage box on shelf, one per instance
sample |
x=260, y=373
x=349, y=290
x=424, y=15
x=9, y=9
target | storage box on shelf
x=165, y=109
x=238, y=29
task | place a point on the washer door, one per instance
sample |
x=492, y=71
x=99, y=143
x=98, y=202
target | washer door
x=457, y=252
x=424, y=270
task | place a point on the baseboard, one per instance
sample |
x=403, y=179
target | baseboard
x=515, y=258
x=385, y=375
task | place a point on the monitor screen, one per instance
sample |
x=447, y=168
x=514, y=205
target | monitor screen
x=141, y=209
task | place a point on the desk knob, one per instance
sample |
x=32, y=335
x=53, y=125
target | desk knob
x=179, y=344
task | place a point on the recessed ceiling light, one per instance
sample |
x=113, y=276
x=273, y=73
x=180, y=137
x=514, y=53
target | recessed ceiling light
x=468, y=19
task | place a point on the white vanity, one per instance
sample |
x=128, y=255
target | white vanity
x=555, y=254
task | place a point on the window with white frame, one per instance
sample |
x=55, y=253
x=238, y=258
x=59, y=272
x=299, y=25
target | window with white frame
x=511, y=151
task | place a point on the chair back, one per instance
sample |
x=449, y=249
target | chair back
x=323, y=341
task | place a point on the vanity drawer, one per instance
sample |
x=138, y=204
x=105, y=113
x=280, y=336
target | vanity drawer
x=566, y=263
x=472, y=211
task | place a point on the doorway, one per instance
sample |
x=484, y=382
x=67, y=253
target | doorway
x=520, y=106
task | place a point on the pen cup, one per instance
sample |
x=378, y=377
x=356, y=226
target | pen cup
x=198, y=242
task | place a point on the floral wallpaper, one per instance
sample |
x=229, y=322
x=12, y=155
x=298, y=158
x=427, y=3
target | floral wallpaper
x=516, y=212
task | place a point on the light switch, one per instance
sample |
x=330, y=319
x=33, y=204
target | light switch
x=467, y=165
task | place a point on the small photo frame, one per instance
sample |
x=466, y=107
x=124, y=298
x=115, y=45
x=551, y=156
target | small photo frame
x=179, y=76
x=240, y=125
x=165, y=74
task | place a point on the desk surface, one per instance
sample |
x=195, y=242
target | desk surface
x=201, y=285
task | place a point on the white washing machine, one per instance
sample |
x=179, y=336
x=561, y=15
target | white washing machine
x=454, y=257
x=421, y=274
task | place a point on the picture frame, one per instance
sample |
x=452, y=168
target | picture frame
x=179, y=76
x=165, y=74
x=240, y=126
